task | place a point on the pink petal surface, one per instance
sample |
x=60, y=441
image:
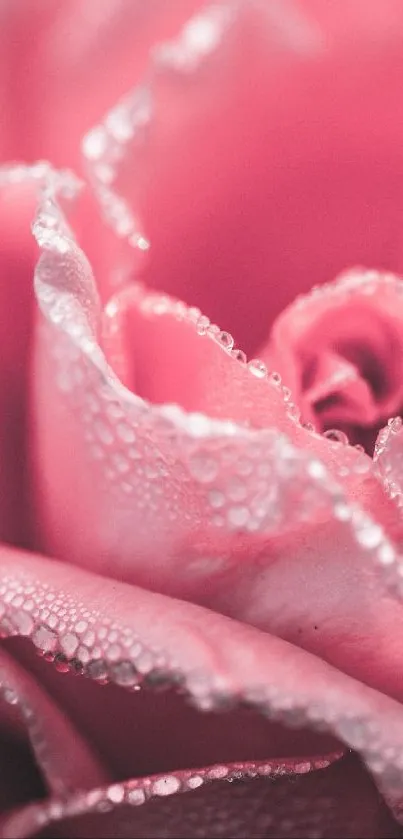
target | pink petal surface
x=300, y=179
x=24, y=30
x=64, y=63
x=17, y=259
x=339, y=800
x=126, y=635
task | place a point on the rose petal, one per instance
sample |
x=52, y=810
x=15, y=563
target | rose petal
x=64, y=758
x=228, y=499
x=339, y=349
x=158, y=730
x=166, y=352
x=94, y=52
x=336, y=801
x=153, y=633
x=300, y=179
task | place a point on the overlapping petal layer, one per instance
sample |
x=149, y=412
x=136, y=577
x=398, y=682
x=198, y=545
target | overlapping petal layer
x=135, y=638
x=336, y=801
x=298, y=181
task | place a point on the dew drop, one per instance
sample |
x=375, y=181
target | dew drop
x=336, y=436
x=144, y=663
x=10, y=696
x=83, y=654
x=226, y=340
x=95, y=143
x=195, y=781
x=44, y=638
x=293, y=411
x=167, y=785
x=136, y=797
x=395, y=424
x=370, y=536
x=124, y=674
x=257, y=368
x=114, y=652
x=116, y=793
x=202, y=325
x=203, y=467
x=69, y=644
x=239, y=355
x=23, y=622
x=238, y=516
x=386, y=554
x=218, y=772
x=342, y=511
x=97, y=669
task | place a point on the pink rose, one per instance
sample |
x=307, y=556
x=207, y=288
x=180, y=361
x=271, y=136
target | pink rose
x=211, y=575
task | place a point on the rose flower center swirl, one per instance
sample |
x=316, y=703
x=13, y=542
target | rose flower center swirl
x=339, y=349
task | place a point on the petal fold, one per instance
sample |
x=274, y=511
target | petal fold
x=136, y=634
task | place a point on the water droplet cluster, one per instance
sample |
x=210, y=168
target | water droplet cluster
x=134, y=793
x=388, y=459
x=127, y=125
x=76, y=639
x=83, y=641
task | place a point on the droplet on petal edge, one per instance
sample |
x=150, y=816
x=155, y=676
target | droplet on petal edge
x=135, y=793
x=105, y=145
x=388, y=459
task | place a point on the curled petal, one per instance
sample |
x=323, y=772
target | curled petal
x=136, y=635
x=337, y=800
x=339, y=349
